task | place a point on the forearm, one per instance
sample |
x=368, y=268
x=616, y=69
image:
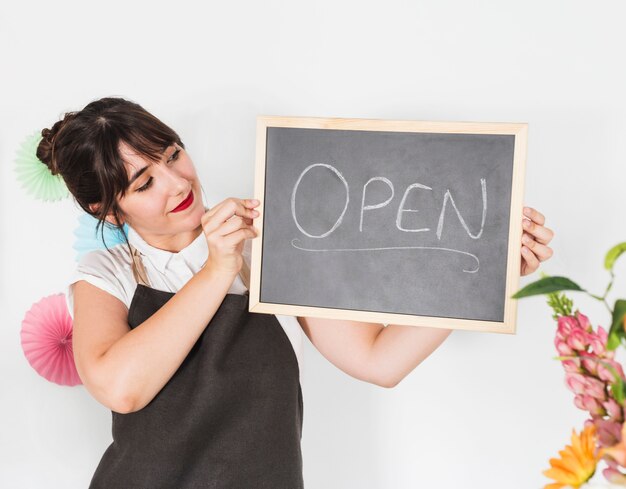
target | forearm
x=144, y=359
x=398, y=349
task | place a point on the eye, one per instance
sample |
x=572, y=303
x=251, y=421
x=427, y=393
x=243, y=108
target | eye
x=149, y=182
x=146, y=186
x=174, y=155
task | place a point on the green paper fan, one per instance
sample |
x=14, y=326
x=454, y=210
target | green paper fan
x=34, y=174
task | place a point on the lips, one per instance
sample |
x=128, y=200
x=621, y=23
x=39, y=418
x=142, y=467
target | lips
x=185, y=203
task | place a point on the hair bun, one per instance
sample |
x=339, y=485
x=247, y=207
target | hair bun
x=45, y=150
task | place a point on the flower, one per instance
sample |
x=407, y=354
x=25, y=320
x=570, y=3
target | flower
x=593, y=375
x=584, y=384
x=591, y=372
x=613, y=474
x=576, y=382
x=578, y=461
x=618, y=451
x=598, y=343
x=589, y=403
x=613, y=409
x=604, y=373
x=572, y=365
x=616, y=458
x=607, y=431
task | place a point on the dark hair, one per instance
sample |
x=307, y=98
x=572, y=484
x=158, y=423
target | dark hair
x=83, y=148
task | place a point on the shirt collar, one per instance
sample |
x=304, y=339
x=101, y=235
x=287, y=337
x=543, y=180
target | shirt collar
x=194, y=252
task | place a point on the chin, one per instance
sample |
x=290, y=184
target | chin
x=193, y=217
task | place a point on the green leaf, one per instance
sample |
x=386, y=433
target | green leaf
x=613, y=340
x=613, y=254
x=546, y=286
x=617, y=389
x=616, y=333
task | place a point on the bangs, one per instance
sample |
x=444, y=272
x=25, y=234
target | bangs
x=148, y=139
x=87, y=153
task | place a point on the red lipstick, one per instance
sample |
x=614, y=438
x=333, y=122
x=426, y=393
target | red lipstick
x=185, y=203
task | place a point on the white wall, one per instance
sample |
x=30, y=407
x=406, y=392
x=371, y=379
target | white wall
x=485, y=410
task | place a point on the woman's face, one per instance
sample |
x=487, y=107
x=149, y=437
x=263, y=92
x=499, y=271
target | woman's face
x=155, y=190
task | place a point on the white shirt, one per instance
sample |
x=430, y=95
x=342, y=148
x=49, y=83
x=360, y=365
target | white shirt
x=111, y=271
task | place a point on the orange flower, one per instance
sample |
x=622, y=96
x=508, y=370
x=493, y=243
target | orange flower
x=577, y=463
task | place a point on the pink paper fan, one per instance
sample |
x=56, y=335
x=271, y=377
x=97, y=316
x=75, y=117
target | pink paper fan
x=47, y=340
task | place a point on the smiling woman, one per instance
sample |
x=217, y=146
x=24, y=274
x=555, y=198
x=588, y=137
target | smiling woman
x=137, y=167
x=162, y=334
x=159, y=202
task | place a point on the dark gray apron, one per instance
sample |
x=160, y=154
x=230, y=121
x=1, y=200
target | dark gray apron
x=230, y=417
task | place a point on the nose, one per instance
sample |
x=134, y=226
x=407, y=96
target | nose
x=176, y=184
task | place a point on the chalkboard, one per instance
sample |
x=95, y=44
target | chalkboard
x=396, y=222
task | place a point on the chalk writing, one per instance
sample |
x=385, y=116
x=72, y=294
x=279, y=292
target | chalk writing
x=371, y=207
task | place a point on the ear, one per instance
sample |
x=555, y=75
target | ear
x=109, y=217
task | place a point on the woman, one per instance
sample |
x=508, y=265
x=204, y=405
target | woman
x=203, y=393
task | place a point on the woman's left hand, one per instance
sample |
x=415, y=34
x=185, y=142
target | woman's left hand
x=535, y=239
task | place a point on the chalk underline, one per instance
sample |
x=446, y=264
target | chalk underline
x=394, y=248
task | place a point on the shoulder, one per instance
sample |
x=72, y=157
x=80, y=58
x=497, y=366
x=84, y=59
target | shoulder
x=114, y=259
x=110, y=270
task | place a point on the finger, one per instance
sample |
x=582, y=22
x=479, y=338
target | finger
x=225, y=210
x=234, y=238
x=541, y=251
x=247, y=220
x=234, y=206
x=250, y=203
x=539, y=233
x=530, y=259
x=232, y=225
x=535, y=215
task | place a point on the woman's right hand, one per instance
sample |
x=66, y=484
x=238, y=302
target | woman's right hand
x=226, y=226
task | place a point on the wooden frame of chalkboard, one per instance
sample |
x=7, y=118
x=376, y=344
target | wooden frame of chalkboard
x=313, y=259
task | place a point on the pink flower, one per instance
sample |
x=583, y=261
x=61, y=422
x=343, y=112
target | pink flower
x=613, y=409
x=589, y=403
x=591, y=365
x=575, y=334
x=598, y=343
x=565, y=326
x=583, y=384
x=608, y=431
x=563, y=348
x=616, y=452
x=572, y=365
x=583, y=321
x=605, y=374
x=591, y=373
x=575, y=382
x=595, y=388
x=614, y=476
x=578, y=340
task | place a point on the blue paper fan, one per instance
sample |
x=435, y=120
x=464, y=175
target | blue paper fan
x=88, y=240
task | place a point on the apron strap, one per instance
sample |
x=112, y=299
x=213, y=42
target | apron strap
x=141, y=277
x=139, y=272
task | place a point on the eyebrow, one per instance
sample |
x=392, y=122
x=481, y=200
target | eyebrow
x=138, y=173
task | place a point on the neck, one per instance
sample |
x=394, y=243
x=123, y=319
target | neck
x=172, y=242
